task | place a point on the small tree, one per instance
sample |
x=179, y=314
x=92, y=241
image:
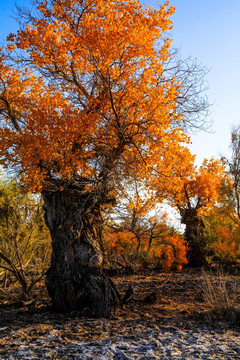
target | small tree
x=230, y=198
x=24, y=238
x=132, y=213
x=200, y=190
x=139, y=233
x=160, y=246
x=223, y=221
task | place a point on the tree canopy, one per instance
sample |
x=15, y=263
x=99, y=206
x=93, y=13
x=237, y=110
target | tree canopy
x=83, y=95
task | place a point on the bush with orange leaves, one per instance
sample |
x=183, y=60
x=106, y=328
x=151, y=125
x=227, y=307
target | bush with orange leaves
x=167, y=253
x=121, y=244
x=226, y=246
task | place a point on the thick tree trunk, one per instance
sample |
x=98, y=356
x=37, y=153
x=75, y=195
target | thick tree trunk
x=75, y=280
x=194, y=235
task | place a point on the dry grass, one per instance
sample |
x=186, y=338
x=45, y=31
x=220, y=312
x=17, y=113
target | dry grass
x=222, y=295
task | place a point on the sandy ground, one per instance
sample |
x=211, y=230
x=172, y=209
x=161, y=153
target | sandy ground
x=174, y=323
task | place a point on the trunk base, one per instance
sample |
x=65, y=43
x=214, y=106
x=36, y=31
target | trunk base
x=94, y=296
x=75, y=280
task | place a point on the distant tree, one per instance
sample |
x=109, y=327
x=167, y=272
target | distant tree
x=161, y=247
x=223, y=237
x=231, y=188
x=132, y=213
x=200, y=191
x=223, y=221
x=139, y=234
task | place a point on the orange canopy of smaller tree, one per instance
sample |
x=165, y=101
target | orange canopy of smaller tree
x=200, y=187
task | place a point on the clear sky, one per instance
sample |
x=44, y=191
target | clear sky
x=208, y=30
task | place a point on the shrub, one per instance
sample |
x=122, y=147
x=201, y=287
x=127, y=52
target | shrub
x=222, y=296
x=25, y=245
x=226, y=246
x=166, y=252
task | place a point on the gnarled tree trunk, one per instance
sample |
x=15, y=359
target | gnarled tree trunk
x=75, y=280
x=194, y=235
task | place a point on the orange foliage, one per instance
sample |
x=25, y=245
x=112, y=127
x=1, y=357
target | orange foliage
x=168, y=252
x=86, y=87
x=200, y=187
x=118, y=243
x=226, y=247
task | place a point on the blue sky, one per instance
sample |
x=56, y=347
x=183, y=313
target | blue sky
x=208, y=30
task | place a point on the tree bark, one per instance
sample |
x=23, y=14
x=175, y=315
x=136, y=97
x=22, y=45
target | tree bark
x=75, y=280
x=194, y=235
